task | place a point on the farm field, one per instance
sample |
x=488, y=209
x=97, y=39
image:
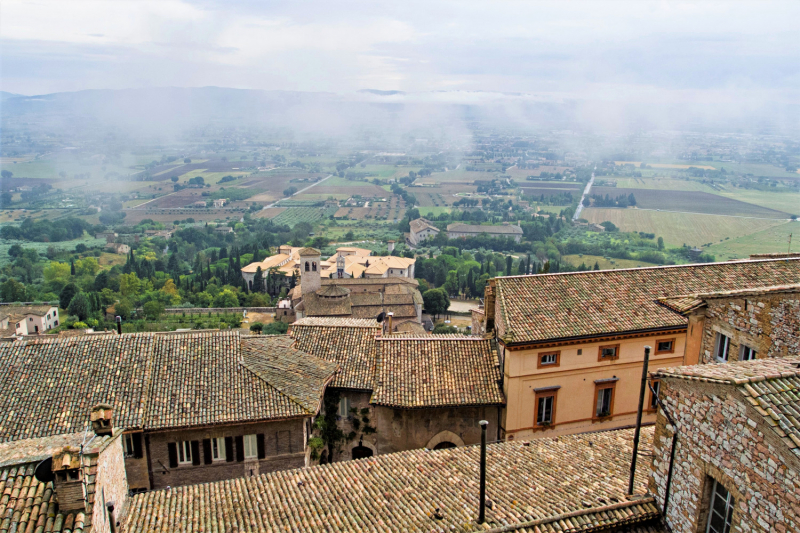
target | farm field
x=41, y=247
x=386, y=171
x=212, y=177
x=694, y=229
x=664, y=184
x=691, y=202
x=603, y=263
x=433, y=211
x=520, y=174
x=459, y=175
x=295, y=215
x=665, y=165
x=787, y=202
x=167, y=216
x=771, y=240
x=270, y=212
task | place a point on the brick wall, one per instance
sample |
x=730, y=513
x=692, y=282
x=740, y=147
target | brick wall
x=284, y=444
x=111, y=485
x=721, y=437
x=768, y=323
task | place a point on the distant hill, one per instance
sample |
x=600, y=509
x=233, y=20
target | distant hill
x=381, y=93
x=4, y=95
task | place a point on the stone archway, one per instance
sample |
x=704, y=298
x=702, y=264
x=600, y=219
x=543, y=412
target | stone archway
x=360, y=449
x=442, y=437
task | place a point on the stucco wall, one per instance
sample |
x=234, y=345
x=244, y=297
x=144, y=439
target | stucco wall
x=164, y=475
x=720, y=436
x=768, y=323
x=576, y=375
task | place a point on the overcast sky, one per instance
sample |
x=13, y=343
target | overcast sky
x=645, y=50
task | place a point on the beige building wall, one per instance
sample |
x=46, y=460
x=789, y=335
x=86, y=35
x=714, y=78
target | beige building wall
x=575, y=374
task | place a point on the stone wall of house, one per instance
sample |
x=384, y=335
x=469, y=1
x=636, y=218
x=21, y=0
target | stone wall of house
x=111, y=485
x=284, y=446
x=769, y=323
x=410, y=429
x=478, y=322
x=721, y=437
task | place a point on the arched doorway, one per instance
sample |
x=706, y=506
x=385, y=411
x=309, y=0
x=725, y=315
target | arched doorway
x=444, y=445
x=360, y=452
x=443, y=437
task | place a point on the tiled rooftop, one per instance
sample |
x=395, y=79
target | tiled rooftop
x=771, y=386
x=577, y=304
x=566, y=484
x=349, y=342
x=419, y=224
x=689, y=302
x=41, y=448
x=436, y=371
x=28, y=505
x=48, y=385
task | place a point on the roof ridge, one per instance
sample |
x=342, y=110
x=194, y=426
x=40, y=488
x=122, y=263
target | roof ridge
x=656, y=267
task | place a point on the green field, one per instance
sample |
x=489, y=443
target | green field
x=41, y=247
x=788, y=202
x=664, y=184
x=771, y=240
x=605, y=264
x=694, y=229
x=433, y=211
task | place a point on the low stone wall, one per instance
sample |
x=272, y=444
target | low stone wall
x=212, y=310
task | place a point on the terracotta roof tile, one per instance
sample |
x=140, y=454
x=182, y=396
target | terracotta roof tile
x=689, y=302
x=575, y=483
x=436, y=371
x=576, y=304
x=346, y=341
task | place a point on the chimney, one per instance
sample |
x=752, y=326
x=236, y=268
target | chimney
x=102, y=418
x=389, y=316
x=68, y=479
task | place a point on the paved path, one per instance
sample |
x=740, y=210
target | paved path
x=577, y=214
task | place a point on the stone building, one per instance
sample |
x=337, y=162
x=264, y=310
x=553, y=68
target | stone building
x=462, y=231
x=575, y=484
x=71, y=483
x=736, y=463
x=572, y=344
x=194, y=406
x=27, y=319
x=741, y=325
x=420, y=230
x=416, y=391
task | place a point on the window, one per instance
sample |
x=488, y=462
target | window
x=723, y=346
x=604, y=398
x=654, y=397
x=665, y=346
x=546, y=407
x=185, y=452
x=580, y=351
x=218, y=449
x=250, y=447
x=608, y=353
x=307, y=266
x=344, y=407
x=128, y=447
x=549, y=359
x=748, y=353
x=720, y=511
x=313, y=266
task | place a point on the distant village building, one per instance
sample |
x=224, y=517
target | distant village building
x=223, y=229
x=462, y=231
x=163, y=233
x=736, y=464
x=572, y=344
x=118, y=248
x=109, y=236
x=199, y=203
x=28, y=319
x=420, y=229
x=220, y=202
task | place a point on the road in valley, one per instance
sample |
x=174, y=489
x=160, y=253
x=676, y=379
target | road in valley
x=577, y=214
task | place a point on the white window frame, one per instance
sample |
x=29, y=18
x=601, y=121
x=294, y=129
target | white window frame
x=728, y=502
x=600, y=402
x=722, y=348
x=551, y=359
x=218, y=449
x=127, y=444
x=747, y=353
x=344, y=407
x=541, y=409
x=184, y=452
x=250, y=446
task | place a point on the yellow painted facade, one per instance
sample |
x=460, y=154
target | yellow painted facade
x=576, y=378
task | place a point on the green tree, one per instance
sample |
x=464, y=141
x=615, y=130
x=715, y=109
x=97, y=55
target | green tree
x=444, y=329
x=258, y=281
x=436, y=301
x=129, y=284
x=661, y=243
x=12, y=291
x=509, y=262
x=15, y=250
x=124, y=308
x=226, y=298
x=80, y=306
x=87, y=266
x=6, y=174
x=256, y=327
x=56, y=271
x=153, y=309
x=276, y=328
x=67, y=294
x=451, y=283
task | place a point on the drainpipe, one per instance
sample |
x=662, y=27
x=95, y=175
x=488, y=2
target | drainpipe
x=119, y=324
x=671, y=453
x=639, y=418
x=112, y=526
x=482, y=513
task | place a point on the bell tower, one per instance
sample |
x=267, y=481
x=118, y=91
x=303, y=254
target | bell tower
x=309, y=270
